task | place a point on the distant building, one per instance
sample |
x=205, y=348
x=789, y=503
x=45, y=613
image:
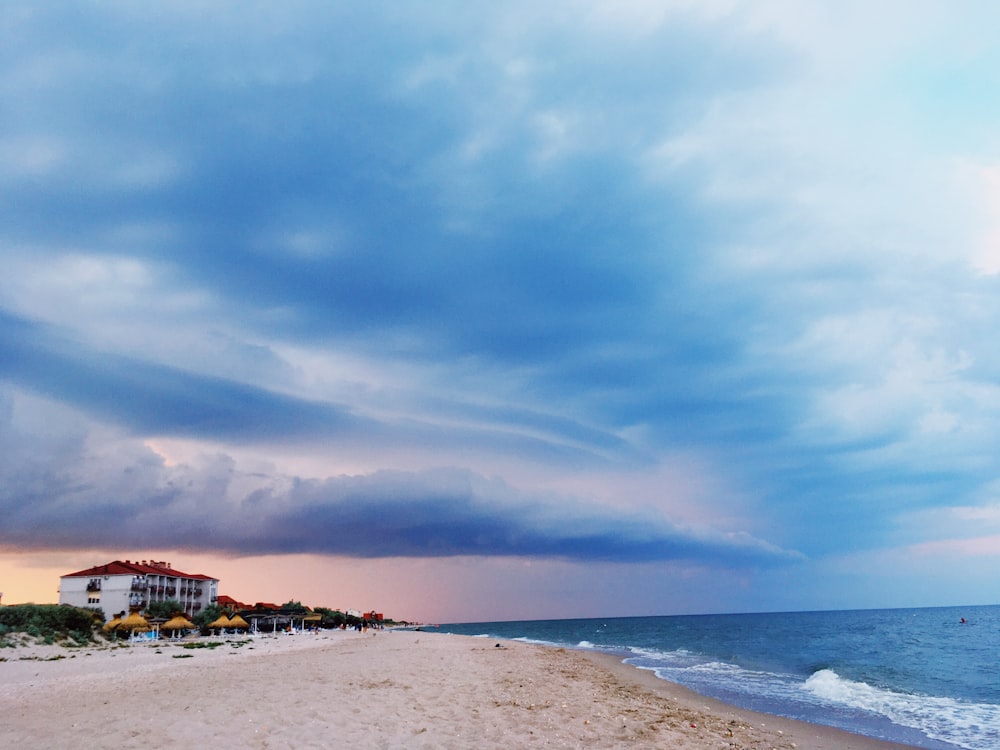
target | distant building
x=119, y=586
x=227, y=602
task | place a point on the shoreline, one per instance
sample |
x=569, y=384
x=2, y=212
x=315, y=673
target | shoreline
x=389, y=689
x=807, y=734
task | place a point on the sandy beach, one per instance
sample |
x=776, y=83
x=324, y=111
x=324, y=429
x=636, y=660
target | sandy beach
x=387, y=689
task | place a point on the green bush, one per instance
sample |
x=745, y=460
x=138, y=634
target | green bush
x=79, y=638
x=50, y=622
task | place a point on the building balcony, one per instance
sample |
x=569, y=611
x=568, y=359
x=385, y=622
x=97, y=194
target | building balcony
x=94, y=586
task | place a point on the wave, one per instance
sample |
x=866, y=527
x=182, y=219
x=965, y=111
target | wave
x=894, y=663
x=975, y=726
x=827, y=697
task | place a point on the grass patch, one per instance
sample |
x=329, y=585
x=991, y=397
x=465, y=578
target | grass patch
x=202, y=644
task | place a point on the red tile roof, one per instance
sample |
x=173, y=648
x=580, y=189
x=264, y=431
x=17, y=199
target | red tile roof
x=129, y=568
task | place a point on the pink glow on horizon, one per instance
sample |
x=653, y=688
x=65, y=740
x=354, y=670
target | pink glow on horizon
x=428, y=590
x=403, y=589
x=984, y=546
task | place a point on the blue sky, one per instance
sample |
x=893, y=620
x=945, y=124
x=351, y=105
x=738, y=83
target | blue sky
x=521, y=310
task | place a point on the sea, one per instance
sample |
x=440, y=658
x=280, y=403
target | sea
x=927, y=678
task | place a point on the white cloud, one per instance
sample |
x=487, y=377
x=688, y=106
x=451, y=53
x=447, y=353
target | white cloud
x=31, y=156
x=986, y=252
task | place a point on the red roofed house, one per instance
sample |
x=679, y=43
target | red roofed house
x=227, y=602
x=119, y=586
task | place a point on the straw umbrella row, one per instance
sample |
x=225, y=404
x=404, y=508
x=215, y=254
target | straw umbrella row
x=136, y=623
x=231, y=623
x=133, y=623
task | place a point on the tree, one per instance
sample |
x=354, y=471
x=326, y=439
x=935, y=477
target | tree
x=211, y=613
x=293, y=605
x=332, y=618
x=165, y=609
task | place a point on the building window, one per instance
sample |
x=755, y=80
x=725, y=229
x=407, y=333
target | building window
x=93, y=600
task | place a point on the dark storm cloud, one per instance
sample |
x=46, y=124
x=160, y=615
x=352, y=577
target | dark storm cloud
x=385, y=514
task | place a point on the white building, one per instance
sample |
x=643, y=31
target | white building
x=120, y=586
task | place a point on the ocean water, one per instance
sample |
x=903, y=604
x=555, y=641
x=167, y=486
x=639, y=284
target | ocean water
x=920, y=677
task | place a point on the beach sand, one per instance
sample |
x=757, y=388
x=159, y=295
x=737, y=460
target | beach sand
x=400, y=689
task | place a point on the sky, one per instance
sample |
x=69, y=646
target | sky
x=480, y=311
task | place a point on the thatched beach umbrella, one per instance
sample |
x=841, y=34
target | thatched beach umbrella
x=112, y=624
x=222, y=622
x=134, y=622
x=178, y=623
x=239, y=623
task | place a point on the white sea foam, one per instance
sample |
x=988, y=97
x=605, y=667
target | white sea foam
x=975, y=726
x=536, y=641
x=651, y=658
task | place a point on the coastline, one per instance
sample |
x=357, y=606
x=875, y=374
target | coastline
x=389, y=689
x=803, y=734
